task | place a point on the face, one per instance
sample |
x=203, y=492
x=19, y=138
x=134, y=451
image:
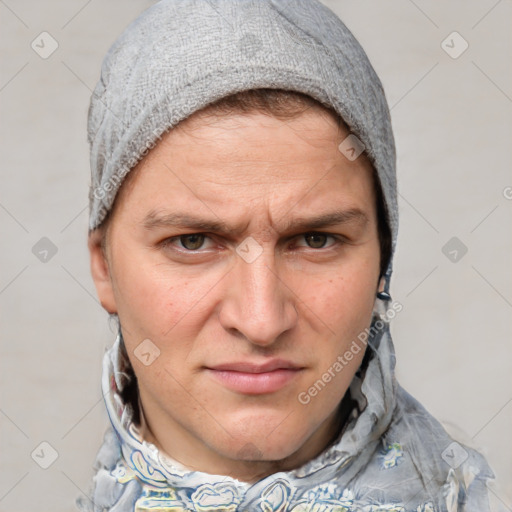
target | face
x=245, y=248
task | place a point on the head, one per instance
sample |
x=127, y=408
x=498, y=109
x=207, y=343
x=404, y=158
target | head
x=236, y=229
x=212, y=251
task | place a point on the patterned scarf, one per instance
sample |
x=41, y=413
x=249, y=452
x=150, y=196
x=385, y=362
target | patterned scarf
x=391, y=455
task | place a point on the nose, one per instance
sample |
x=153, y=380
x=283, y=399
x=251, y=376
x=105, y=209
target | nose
x=258, y=303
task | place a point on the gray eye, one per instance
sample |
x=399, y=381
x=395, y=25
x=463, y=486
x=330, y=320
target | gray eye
x=315, y=240
x=192, y=242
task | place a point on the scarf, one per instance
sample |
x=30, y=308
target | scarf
x=390, y=455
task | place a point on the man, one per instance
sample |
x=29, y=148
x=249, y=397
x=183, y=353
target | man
x=242, y=226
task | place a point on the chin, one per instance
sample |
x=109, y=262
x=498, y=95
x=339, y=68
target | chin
x=264, y=438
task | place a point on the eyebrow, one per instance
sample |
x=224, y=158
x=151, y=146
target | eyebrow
x=155, y=219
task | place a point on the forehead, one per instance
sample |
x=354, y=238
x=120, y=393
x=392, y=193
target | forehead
x=246, y=157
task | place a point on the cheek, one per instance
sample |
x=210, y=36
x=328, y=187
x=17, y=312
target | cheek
x=341, y=299
x=154, y=299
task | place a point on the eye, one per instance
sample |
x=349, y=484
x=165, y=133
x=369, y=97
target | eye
x=317, y=240
x=190, y=242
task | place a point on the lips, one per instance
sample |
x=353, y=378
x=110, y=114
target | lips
x=252, y=378
x=248, y=367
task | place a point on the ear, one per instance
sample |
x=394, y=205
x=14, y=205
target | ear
x=381, y=285
x=100, y=271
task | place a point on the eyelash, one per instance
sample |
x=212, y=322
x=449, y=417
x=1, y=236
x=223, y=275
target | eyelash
x=169, y=241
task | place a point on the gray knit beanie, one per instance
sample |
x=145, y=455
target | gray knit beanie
x=180, y=55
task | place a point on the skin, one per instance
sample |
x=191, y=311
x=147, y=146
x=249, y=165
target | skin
x=303, y=299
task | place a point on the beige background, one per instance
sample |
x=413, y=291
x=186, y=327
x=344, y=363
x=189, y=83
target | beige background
x=452, y=120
